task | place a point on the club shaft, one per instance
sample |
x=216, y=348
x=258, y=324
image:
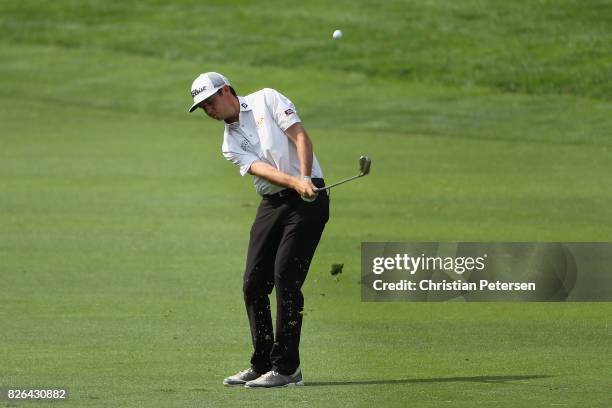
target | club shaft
x=338, y=183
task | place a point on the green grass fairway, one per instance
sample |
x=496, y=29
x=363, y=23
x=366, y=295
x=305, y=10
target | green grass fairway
x=123, y=231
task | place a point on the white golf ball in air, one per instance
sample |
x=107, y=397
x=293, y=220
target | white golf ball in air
x=337, y=34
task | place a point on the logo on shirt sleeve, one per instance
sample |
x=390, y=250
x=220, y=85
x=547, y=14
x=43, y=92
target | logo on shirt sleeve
x=289, y=112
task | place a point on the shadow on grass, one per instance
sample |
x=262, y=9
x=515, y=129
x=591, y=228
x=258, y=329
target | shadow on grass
x=481, y=378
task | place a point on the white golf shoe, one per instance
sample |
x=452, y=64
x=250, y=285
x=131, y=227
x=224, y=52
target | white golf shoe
x=242, y=377
x=275, y=379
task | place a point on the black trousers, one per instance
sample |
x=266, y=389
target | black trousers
x=283, y=240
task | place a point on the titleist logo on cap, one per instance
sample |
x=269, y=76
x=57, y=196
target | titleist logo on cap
x=197, y=91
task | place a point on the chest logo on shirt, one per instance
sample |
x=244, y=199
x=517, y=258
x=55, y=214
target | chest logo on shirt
x=259, y=122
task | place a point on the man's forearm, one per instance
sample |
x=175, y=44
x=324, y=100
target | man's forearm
x=304, y=153
x=275, y=176
x=272, y=174
x=297, y=134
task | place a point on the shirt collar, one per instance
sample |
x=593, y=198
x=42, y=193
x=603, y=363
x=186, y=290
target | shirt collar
x=244, y=106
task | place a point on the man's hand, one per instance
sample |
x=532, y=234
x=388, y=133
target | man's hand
x=305, y=188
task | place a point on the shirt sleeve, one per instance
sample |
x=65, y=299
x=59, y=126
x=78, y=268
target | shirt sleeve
x=282, y=109
x=242, y=160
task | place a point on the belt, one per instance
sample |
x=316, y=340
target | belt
x=289, y=192
x=281, y=194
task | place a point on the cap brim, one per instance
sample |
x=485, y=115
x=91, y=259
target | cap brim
x=194, y=106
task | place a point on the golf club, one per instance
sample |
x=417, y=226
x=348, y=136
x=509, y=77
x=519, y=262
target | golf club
x=364, y=170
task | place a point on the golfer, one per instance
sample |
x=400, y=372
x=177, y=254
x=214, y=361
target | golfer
x=264, y=137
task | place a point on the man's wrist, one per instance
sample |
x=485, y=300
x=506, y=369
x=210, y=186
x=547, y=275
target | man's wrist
x=306, y=178
x=295, y=182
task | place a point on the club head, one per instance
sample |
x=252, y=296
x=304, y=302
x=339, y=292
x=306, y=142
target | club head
x=364, y=165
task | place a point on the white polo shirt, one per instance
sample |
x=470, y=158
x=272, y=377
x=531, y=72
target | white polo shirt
x=259, y=135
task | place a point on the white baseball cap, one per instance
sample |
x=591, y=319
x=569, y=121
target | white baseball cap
x=206, y=85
